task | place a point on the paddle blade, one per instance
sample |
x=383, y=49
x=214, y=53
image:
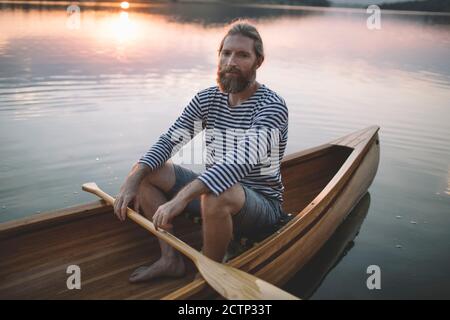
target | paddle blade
x=234, y=284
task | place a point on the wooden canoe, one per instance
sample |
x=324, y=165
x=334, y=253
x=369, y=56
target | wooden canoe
x=322, y=185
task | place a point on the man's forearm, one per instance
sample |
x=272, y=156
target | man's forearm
x=193, y=190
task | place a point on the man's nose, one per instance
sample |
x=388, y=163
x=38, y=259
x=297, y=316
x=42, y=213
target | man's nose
x=231, y=61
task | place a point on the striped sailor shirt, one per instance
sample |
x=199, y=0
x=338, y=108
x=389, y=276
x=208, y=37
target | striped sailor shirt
x=244, y=143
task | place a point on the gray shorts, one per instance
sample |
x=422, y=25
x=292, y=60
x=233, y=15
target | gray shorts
x=257, y=217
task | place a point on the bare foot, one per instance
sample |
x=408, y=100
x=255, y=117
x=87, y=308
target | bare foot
x=162, y=268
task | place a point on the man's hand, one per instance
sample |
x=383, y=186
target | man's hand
x=129, y=191
x=128, y=194
x=166, y=212
x=164, y=215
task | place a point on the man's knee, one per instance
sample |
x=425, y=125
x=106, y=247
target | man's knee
x=162, y=178
x=228, y=202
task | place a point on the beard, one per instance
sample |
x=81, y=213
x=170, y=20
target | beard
x=237, y=82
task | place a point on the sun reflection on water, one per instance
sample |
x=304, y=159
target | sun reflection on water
x=121, y=31
x=124, y=5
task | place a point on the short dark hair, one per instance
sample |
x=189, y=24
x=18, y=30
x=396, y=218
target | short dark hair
x=244, y=28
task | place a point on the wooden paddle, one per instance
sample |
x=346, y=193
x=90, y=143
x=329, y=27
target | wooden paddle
x=229, y=282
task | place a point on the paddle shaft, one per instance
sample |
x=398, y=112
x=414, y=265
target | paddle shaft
x=181, y=246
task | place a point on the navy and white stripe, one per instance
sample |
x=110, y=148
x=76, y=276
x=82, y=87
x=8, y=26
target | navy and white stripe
x=264, y=111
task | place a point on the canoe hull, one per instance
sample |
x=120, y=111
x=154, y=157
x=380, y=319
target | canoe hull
x=293, y=259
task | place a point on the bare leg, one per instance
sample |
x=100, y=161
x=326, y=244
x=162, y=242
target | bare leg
x=217, y=234
x=217, y=212
x=171, y=263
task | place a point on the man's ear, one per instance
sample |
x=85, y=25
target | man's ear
x=259, y=62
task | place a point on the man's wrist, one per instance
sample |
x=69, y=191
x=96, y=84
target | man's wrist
x=138, y=173
x=142, y=167
x=183, y=196
x=192, y=191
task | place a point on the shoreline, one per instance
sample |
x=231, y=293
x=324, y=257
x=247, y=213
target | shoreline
x=286, y=7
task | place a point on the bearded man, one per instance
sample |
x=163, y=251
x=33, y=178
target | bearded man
x=240, y=192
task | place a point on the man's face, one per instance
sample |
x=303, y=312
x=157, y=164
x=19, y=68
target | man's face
x=237, y=64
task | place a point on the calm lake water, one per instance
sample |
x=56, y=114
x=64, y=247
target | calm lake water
x=83, y=104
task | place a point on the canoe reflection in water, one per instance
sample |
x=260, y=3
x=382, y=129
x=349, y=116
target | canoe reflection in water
x=305, y=283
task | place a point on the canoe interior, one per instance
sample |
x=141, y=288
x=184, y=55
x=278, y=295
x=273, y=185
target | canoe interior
x=33, y=261
x=306, y=176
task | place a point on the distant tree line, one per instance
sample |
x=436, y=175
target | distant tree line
x=426, y=5
x=315, y=3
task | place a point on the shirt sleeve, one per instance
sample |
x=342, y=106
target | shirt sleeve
x=256, y=145
x=184, y=129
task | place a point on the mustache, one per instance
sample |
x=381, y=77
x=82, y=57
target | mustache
x=224, y=70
